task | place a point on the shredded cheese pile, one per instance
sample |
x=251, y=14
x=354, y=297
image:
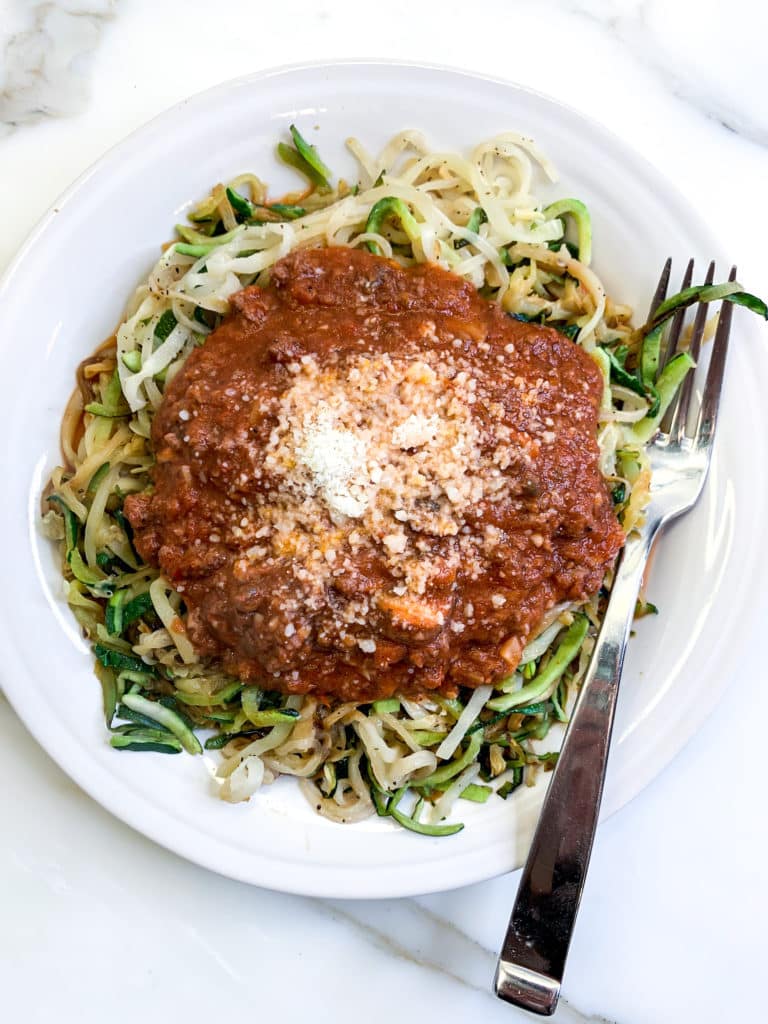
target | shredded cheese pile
x=389, y=450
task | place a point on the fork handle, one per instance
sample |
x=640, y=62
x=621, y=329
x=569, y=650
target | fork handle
x=532, y=961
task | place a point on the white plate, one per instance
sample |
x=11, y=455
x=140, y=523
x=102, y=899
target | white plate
x=65, y=292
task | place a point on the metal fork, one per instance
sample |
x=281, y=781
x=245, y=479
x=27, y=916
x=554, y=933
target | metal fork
x=532, y=961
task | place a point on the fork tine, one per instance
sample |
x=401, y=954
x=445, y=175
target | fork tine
x=680, y=419
x=707, y=421
x=701, y=315
x=673, y=337
x=661, y=288
x=678, y=319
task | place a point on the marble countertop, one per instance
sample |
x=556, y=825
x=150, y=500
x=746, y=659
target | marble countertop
x=101, y=923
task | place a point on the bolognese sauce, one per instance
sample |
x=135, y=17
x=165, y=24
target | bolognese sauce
x=370, y=481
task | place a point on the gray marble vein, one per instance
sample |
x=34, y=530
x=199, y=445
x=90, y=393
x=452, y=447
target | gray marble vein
x=409, y=931
x=693, y=57
x=44, y=68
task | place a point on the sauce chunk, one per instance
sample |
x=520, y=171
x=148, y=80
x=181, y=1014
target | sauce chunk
x=370, y=481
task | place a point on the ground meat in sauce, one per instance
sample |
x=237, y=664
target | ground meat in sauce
x=371, y=481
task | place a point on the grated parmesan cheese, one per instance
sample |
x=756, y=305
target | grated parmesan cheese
x=416, y=431
x=387, y=452
x=337, y=461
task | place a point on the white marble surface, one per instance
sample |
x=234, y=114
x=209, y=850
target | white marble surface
x=98, y=923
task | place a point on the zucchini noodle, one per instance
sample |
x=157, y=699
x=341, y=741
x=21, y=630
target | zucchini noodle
x=476, y=215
